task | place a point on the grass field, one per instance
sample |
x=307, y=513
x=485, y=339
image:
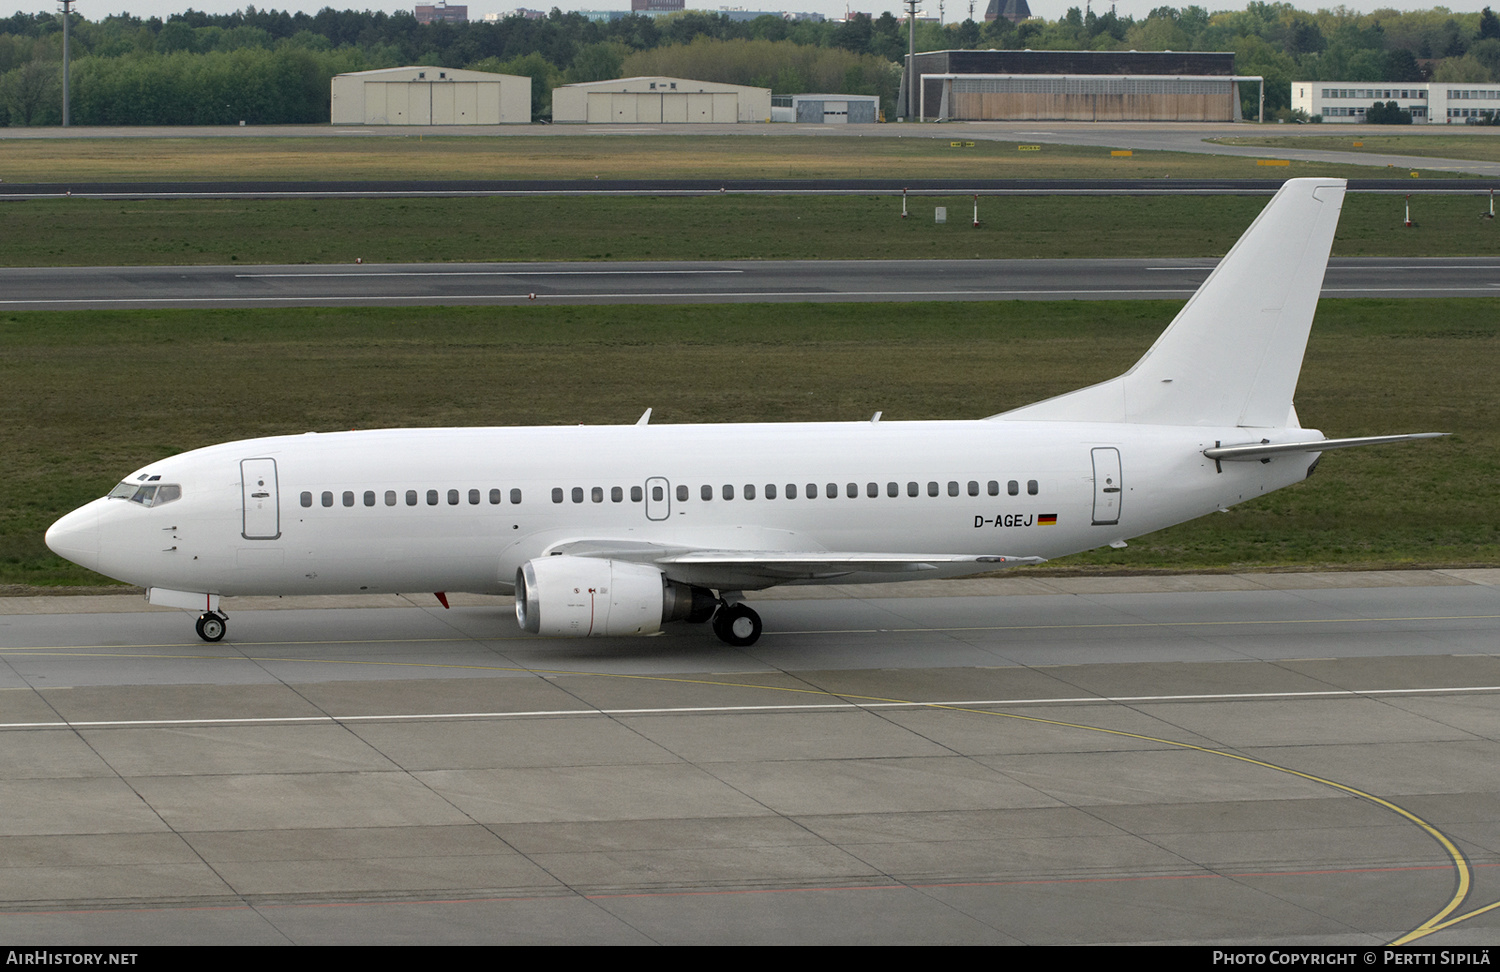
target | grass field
x=88, y=398
x=90, y=232
x=380, y=156
x=1473, y=147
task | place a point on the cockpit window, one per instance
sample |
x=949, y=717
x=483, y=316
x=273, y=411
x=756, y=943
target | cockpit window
x=147, y=495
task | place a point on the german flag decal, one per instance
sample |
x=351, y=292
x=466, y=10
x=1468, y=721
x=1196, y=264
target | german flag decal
x=1046, y=519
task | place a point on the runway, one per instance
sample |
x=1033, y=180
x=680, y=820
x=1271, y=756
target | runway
x=87, y=288
x=1284, y=759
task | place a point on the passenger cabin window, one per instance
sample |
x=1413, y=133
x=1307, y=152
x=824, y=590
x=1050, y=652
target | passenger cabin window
x=597, y=494
x=494, y=497
x=578, y=494
x=473, y=497
x=370, y=497
x=348, y=497
x=1031, y=487
x=515, y=497
x=557, y=494
x=994, y=488
x=327, y=498
x=452, y=497
x=682, y=494
x=411, y=497
x=707, y=492
x=1013, y=488
x=306, y=498
x=390, y=497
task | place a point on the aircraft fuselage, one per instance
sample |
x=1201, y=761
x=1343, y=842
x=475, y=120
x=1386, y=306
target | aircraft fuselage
x=410, y=510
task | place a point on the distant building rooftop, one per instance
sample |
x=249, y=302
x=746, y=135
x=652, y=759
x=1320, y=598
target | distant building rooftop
x=441, y=12
x=1014, y=11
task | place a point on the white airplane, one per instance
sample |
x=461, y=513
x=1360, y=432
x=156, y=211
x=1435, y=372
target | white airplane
x=616, y=530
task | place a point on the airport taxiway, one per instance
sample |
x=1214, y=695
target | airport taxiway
x=743, y=281
x=1267, y=758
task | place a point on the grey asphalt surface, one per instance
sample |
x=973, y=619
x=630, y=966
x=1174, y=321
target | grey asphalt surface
x=80, y=288
x=1215, y=759
x=916, y=188
x=1143, y=136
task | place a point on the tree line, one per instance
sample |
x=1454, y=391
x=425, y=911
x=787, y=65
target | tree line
x=274, y=67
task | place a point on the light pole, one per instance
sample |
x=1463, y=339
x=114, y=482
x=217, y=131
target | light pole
x=67, y=15
x=911, y=59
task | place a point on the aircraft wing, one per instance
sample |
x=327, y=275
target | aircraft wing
x=750, y=569
x=823, y=563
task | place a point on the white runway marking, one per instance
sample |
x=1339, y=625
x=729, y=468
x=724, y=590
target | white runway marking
x=488, y=273
x=726, y=709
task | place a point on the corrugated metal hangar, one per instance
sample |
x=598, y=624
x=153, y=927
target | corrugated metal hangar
x=430, y=96
x=641, y=101
x=1072, y=85
x=826, y=109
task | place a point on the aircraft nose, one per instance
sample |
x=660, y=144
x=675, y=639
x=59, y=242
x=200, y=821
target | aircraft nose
x=76, y=536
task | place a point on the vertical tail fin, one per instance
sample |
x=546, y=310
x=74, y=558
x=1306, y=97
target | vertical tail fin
x=1233, y=354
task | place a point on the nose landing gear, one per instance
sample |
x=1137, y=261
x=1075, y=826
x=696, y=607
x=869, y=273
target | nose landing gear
x=212, y=626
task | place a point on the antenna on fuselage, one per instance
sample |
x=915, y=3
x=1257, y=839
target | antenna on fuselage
x=645, y=418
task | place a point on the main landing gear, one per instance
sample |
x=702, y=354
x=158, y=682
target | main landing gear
x=737, y=625
x=212, y=625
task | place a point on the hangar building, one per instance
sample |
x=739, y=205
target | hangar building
x=636, y=101
x=430, y=96
x=826, y=109
x=1072, y=85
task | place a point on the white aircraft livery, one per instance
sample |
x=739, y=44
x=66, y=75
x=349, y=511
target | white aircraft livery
x=606, y=531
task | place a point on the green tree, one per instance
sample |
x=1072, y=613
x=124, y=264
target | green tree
x=31, y=94
x=1489, y=25
x=1387, y=113
x=597, y=62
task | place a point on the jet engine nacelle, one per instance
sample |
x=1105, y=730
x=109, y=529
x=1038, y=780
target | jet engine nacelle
x=581, y=597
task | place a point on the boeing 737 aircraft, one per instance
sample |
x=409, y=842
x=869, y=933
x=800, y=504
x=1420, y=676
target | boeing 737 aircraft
x=604, y=531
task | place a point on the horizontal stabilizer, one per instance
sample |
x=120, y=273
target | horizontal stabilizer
x=1263, y=450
